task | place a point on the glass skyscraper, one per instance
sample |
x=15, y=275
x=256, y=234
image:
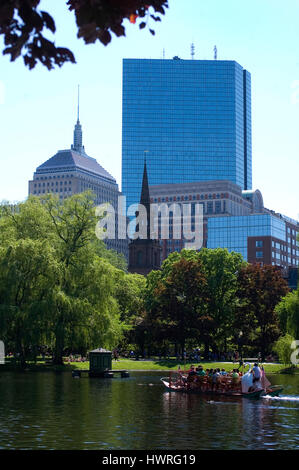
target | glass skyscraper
x=192, y=116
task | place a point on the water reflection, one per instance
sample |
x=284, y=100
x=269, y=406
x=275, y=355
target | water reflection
x=54, y=411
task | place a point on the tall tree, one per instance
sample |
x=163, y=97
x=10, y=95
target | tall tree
x=76, y=302
x=260, y=289
x=28, y=273
x=177, y=301
x=221, y=269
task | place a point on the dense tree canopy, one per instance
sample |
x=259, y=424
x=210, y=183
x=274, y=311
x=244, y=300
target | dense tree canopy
x=24, y=27
x=177, y=301
x=260, y=289
x=55, y=287
x=61, y=287
x=194, y=296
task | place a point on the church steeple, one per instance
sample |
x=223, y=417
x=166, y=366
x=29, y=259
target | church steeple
x=145, y=194
x=77, y=145
x=144, y=254
x=145, y=200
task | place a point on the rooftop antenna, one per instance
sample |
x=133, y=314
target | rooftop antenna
x=192, y=51
x=215, y=52
x=78, y=102
x=163, y=53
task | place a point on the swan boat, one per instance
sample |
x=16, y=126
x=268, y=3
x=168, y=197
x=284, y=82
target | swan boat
x=226, y=386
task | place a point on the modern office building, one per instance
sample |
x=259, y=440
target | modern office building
x=72, y=171
x=192, y=117
x=193, y=120
x=261, y=238
x=233, y=219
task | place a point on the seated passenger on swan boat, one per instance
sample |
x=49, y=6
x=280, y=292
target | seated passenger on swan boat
x=200, y=372
x=215, y=379
x=192, y=374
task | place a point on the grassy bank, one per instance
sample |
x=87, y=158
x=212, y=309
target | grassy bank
x=171, y=364
x=163, y=365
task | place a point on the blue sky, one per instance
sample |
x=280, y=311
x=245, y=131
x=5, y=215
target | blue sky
x=38, y=107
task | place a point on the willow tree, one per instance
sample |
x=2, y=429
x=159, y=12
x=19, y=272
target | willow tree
x=288, y=313
x=28, y=273
x=51, y=271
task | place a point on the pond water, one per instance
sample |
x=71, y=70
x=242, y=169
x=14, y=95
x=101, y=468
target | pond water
x=50, y=410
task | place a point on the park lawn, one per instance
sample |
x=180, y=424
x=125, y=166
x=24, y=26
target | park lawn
x=162, y=365
x=172, y=364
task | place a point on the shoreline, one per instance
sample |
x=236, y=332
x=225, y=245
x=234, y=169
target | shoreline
x=163, y=366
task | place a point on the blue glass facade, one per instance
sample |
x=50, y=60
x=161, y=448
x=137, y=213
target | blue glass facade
x=233, y=232
x=192, y=116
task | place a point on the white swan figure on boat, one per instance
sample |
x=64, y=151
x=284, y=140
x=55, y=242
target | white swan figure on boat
x=247, y=379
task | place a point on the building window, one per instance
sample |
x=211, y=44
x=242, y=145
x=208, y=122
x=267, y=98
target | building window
x=259, y=244
x=259, y=254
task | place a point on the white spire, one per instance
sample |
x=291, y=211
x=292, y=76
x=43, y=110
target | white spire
x=77, y=145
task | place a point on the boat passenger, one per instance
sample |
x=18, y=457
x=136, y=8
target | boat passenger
x=209, y=373
x=235, y=378
x=192, y=372
x=256, y=373
x=215, y=379
x=200, y=371
x=200, y=376
x=191, y=376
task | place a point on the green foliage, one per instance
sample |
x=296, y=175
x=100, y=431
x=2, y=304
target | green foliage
x=288, y=313
x=176, y=299
x=260, y=289
x=210, y=300
x=283, y=348
x=23, y=26
x=221, y=269
x=57, y=286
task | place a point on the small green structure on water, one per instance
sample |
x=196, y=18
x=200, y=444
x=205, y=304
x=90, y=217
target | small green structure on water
x=100, y=362
x=100, y=365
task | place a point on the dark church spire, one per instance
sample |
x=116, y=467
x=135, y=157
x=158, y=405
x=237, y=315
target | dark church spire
x=145, y=198
x=144, y=253
x=145, y=194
